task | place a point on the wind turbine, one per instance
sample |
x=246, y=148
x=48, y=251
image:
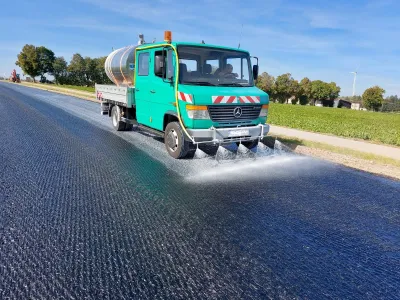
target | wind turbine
x=354, y=81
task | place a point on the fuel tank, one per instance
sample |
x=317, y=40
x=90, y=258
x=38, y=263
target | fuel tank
x=119, y=66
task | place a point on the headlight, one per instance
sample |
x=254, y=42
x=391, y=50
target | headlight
x=197, y=112
x=264, y=110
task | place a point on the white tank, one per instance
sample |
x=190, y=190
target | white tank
x=120, y=65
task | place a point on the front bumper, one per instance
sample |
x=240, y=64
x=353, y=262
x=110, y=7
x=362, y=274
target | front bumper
x=228, y=135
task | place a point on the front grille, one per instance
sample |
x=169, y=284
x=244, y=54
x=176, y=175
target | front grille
x=224, y=113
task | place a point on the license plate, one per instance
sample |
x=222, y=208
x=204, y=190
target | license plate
x=242, y=132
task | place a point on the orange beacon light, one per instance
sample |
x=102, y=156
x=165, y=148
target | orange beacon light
x=167, y=36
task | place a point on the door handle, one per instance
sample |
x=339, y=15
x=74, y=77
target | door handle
x=137, y=90
x=152, y=91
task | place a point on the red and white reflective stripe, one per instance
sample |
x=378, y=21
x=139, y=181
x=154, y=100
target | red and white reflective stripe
x=249, y=99
x=185, y=97
x=224, y=99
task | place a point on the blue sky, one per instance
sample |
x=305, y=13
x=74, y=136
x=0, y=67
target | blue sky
x=308, y=38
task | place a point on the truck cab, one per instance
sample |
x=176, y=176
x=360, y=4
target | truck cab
x=195, y=93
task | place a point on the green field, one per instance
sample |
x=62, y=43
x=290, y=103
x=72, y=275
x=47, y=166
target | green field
x=373, y=126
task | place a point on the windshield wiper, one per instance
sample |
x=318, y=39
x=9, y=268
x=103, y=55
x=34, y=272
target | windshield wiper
x=231, y=84
x=199, y=83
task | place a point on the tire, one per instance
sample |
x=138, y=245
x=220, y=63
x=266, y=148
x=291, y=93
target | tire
x=115, y=119
x=174, y=139
x=249, y=144
x=128, y=127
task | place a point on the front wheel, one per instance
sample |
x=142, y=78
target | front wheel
x=174, y=139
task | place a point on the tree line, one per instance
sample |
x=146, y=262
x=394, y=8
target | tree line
x=284, y=88
x=82, y=71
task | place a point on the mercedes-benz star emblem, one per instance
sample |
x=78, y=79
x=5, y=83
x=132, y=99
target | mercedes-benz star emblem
x=237, y=112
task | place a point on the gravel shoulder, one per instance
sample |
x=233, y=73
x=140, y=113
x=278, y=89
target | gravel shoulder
x=375, y=164
x=370, y=166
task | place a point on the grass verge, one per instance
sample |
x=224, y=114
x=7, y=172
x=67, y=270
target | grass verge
x=74, y=87
x=77, y=91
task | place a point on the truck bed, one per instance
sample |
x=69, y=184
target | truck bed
x=122, y=95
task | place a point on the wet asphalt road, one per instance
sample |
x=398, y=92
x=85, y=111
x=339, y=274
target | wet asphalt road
x=87, y=213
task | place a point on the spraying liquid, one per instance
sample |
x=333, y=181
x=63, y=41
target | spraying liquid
x=200, y=154
x=224, y=153
x=234, y=162
x=280, y=148
x=263, y=150
x=244, y=153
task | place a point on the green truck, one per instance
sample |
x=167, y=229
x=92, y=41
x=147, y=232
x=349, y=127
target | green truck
x=188, y=93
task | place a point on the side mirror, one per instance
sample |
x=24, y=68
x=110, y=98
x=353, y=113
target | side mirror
x=159, y=65
x=255, y=72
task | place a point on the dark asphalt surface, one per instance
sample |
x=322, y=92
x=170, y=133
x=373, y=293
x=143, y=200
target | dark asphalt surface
x=87, y=213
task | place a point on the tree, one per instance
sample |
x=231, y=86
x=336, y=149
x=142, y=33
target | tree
x=392, y=99
x=77, y=69
x=46, y=59
x=90, y=71
x=266, y=82
x=285, y=87
x=60, y=70
x=295, y=90
x=334, y=91
x=356, y=98
x=320, y=90
x=103, y=78
x=305, y=91
x=373, y=98
x=28, y=61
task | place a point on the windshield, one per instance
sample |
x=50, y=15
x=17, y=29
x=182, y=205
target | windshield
x=214, y=67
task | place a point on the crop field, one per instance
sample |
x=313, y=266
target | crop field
x=373, y=126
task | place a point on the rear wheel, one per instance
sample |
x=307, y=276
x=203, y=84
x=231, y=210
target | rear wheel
x=249, y=144
x=115, y=117
x=174, y=139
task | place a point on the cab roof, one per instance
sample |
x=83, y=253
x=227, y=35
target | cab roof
x=177, y=44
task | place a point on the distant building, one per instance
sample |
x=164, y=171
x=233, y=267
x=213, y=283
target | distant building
x=340, y=103
x=356, y=106
x=291, y=99
x=325, y=103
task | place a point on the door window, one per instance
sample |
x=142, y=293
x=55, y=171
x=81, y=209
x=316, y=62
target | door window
x=159, y=58
x=143, y=69
x=170, y=64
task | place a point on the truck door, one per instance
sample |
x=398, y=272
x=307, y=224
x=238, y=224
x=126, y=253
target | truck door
x=162, y=89
x=143, y=82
